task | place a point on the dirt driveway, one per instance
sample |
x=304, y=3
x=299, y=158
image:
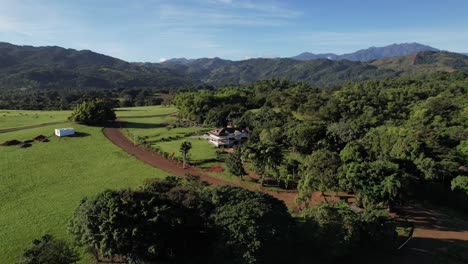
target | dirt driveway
x=114, y=134
x=433, y=230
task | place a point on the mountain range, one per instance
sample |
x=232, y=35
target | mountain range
x=372, y=53
x=55, y=67
x=26, y=67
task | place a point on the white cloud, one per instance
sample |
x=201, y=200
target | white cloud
x=162, y=59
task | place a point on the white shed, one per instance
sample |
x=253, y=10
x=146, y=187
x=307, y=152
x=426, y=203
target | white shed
x=63, y=132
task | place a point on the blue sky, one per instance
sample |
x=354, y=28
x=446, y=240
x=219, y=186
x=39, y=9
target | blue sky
x=152, y=30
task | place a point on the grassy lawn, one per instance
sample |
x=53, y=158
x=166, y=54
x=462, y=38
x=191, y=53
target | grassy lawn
x=144, y=111
x=201, y=149
x=154, y=128
x=20, y=118
x=42, y=185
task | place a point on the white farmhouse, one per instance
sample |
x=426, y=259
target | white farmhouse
x=64, y=132
x=228, y=137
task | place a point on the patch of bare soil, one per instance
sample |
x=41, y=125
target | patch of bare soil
x=215, y=168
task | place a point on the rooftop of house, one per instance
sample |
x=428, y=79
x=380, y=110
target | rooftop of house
x=227, y=130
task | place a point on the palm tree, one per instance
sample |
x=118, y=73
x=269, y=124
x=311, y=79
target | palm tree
x=184, y=149
x=391, y=187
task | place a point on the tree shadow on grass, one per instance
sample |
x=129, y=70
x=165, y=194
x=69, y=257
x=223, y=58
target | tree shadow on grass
x=143, y=125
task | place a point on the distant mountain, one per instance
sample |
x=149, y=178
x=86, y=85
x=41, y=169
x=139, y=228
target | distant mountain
x=178, y=60
x=56, y=67
x=424, y=62
x=305, y=56
x=23, y=67
x=372, y=53
x=320, y=72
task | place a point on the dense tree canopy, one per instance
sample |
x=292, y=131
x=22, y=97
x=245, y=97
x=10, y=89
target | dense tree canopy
x=93, y=112
x=390, y=135
x=182, y=221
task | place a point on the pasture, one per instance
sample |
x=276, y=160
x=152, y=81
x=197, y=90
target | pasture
x=20, y=118
x=144, y=111
x=42, y=185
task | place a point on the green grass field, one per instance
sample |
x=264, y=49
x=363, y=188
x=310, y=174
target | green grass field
x=144, y=111
x=154, y=128
x=42, y=185
x=201, y=149
x=20, y=118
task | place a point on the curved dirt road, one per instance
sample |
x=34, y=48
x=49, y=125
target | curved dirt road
x=433, y=232
x=114, y=134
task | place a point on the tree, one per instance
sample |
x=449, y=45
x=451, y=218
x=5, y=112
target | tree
x=391, y=188
x=135, y=225
x=382, y=182
x=304, y=138
x=184, y=149
x=460, y=183
x=264, y=156
x=250, y=226
x=234, y=163
x=93, y=112
x=338, y=227
x=292, y=169
x=49, y=250
x=344, y=231
x=377, y=230
x=318, y=173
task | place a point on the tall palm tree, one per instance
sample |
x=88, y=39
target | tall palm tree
x=184, y=149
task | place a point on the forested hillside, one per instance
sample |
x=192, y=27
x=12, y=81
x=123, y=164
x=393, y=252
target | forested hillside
x=26, y=68
x=317, y=72
x=385, y=141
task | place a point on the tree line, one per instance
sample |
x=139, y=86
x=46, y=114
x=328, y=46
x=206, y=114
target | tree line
x=177, y=220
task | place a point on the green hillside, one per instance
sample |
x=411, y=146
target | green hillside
x=29, y=68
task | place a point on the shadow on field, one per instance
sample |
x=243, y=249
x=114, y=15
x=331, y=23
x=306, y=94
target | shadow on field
x=423, y=250
x=81, y=134
x=143, y=125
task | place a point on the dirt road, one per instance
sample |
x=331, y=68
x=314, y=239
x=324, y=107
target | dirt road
x=114, y=134
x=433, y=230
